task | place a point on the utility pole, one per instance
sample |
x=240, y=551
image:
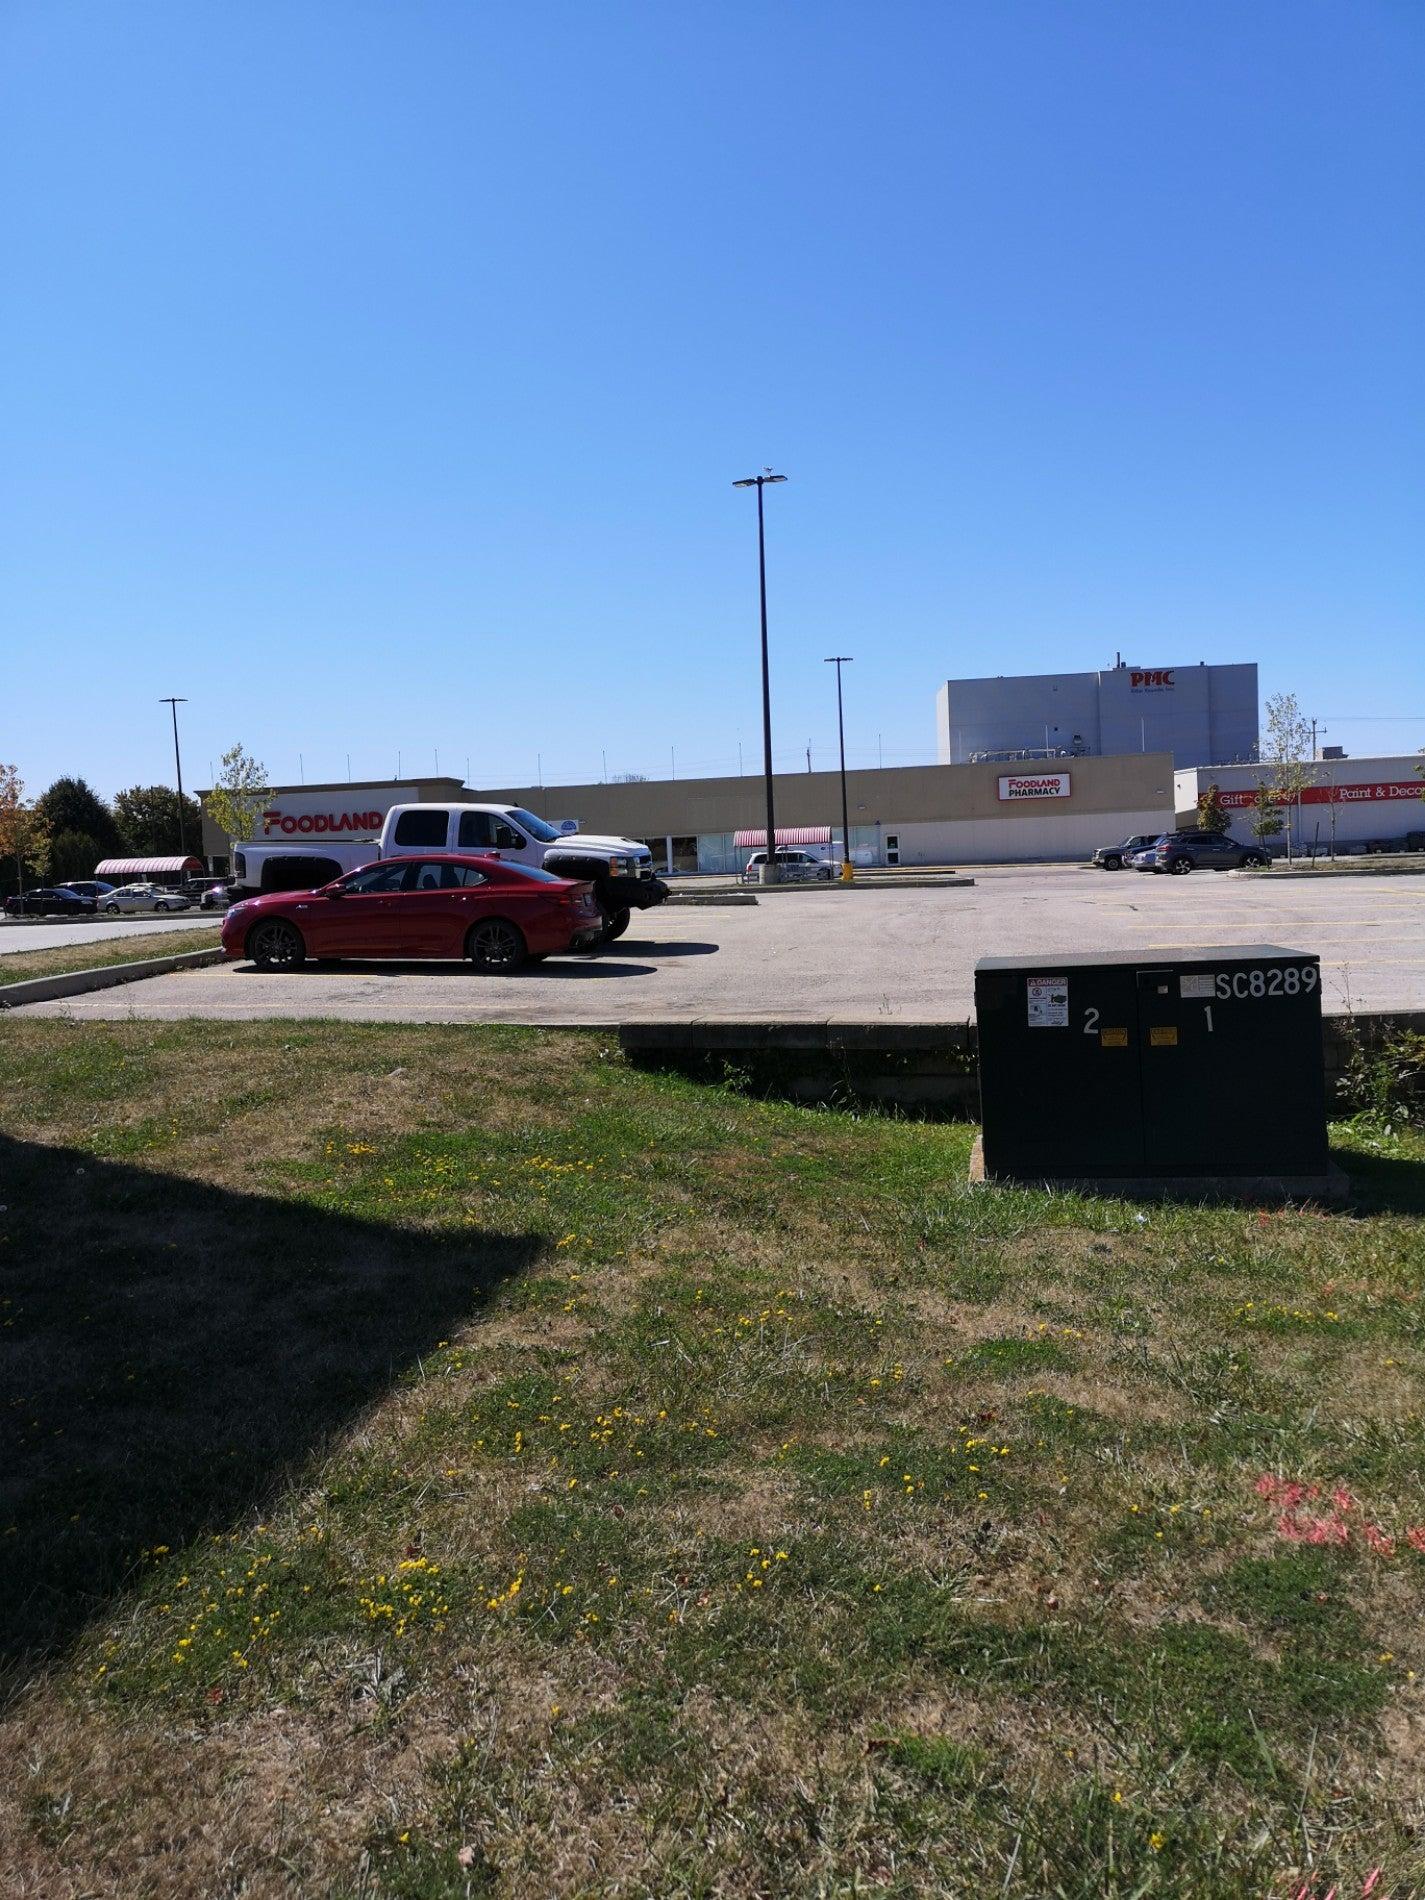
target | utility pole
x=173, y=702
x=759, y=482
x=838, y=660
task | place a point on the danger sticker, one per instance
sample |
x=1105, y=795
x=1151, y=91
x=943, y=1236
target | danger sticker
x=1165, y=1036
x=1113, y=1038
x=1048, y=1002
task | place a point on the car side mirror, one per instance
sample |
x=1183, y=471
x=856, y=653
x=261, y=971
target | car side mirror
x=334, y=894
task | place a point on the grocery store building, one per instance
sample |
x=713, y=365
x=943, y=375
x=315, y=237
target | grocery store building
x=925, y=814
x=1200, y=714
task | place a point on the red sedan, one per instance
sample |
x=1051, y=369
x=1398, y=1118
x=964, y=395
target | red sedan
x=450, y=904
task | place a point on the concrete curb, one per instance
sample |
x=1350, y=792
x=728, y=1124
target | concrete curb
x=1370, y=867
x=950, y=881
x=46, y=989
x=693, y=899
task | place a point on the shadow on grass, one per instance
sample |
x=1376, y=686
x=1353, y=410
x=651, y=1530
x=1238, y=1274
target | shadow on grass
x=171, y=1352
x=1382, y=1184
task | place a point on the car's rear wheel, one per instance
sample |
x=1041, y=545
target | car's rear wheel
x=496, y=945
x=274, y=945
x=1180, y=866
x=614, y=926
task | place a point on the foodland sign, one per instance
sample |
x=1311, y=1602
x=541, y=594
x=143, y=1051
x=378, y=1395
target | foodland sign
x=1035, y=785
x=304, y=822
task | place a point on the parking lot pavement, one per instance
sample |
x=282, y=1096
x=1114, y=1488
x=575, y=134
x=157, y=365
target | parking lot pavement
x=871, y=956
x=16, y=937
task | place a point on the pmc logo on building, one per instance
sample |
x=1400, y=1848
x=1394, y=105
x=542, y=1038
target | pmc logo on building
x=1154, y=679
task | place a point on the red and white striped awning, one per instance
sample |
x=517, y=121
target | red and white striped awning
x=150, y=867
x=791, y=834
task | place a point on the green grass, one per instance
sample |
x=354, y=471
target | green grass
x=101, y=953
x=450, y=1462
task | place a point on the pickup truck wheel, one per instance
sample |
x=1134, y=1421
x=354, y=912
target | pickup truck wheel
x=1113, y=864
x=615, y=926
x=275, y=946
x=495, y=945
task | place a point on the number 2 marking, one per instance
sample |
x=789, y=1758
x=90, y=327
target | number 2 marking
x=1090, y=1022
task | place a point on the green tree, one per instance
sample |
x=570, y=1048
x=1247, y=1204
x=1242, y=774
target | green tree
x=149, y=816
x=1266, y=819
x=73, y=854
x=71, y=804
x=1287, y=741
x=1210, y=814
x=236, y=802
x=24, y=834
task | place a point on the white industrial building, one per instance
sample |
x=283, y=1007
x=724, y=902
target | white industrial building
x=1348, y=804
x=1197, y=713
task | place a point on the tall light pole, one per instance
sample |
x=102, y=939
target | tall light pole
x=838, y=660
x=173, y=704
x=759, y=482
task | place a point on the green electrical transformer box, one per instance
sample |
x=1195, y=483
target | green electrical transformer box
x=1207, y=1062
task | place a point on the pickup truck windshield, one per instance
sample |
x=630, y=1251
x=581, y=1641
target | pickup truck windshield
x=546, y=834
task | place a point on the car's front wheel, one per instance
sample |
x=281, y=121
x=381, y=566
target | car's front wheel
x=1180, y=866
x=112, y=909
x=496, y=946
x=1113, y=864
x=614, y=926
x=275, y=945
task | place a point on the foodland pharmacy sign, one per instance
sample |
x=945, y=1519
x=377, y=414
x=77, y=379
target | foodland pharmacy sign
x=1035, y=785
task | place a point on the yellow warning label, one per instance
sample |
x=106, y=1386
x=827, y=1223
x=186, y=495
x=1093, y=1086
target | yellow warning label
x=1113, y=1038
x=1163, y=1037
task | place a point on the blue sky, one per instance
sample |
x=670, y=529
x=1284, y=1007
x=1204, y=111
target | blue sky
x=375, y=375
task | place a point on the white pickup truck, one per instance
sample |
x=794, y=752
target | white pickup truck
x=620, y=869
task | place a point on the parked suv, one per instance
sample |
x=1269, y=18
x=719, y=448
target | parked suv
x=1183, y=851
x=1113, y=857
x=793, y=867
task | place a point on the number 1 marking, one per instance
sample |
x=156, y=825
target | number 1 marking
x=1207, y=1011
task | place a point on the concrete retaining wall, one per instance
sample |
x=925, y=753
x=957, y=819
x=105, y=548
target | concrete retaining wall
x=918, y=1066
x=45, y=989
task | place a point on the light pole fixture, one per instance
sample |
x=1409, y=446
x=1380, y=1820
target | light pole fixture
x=173, y=703
x=838, y=660
x=759, y=482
